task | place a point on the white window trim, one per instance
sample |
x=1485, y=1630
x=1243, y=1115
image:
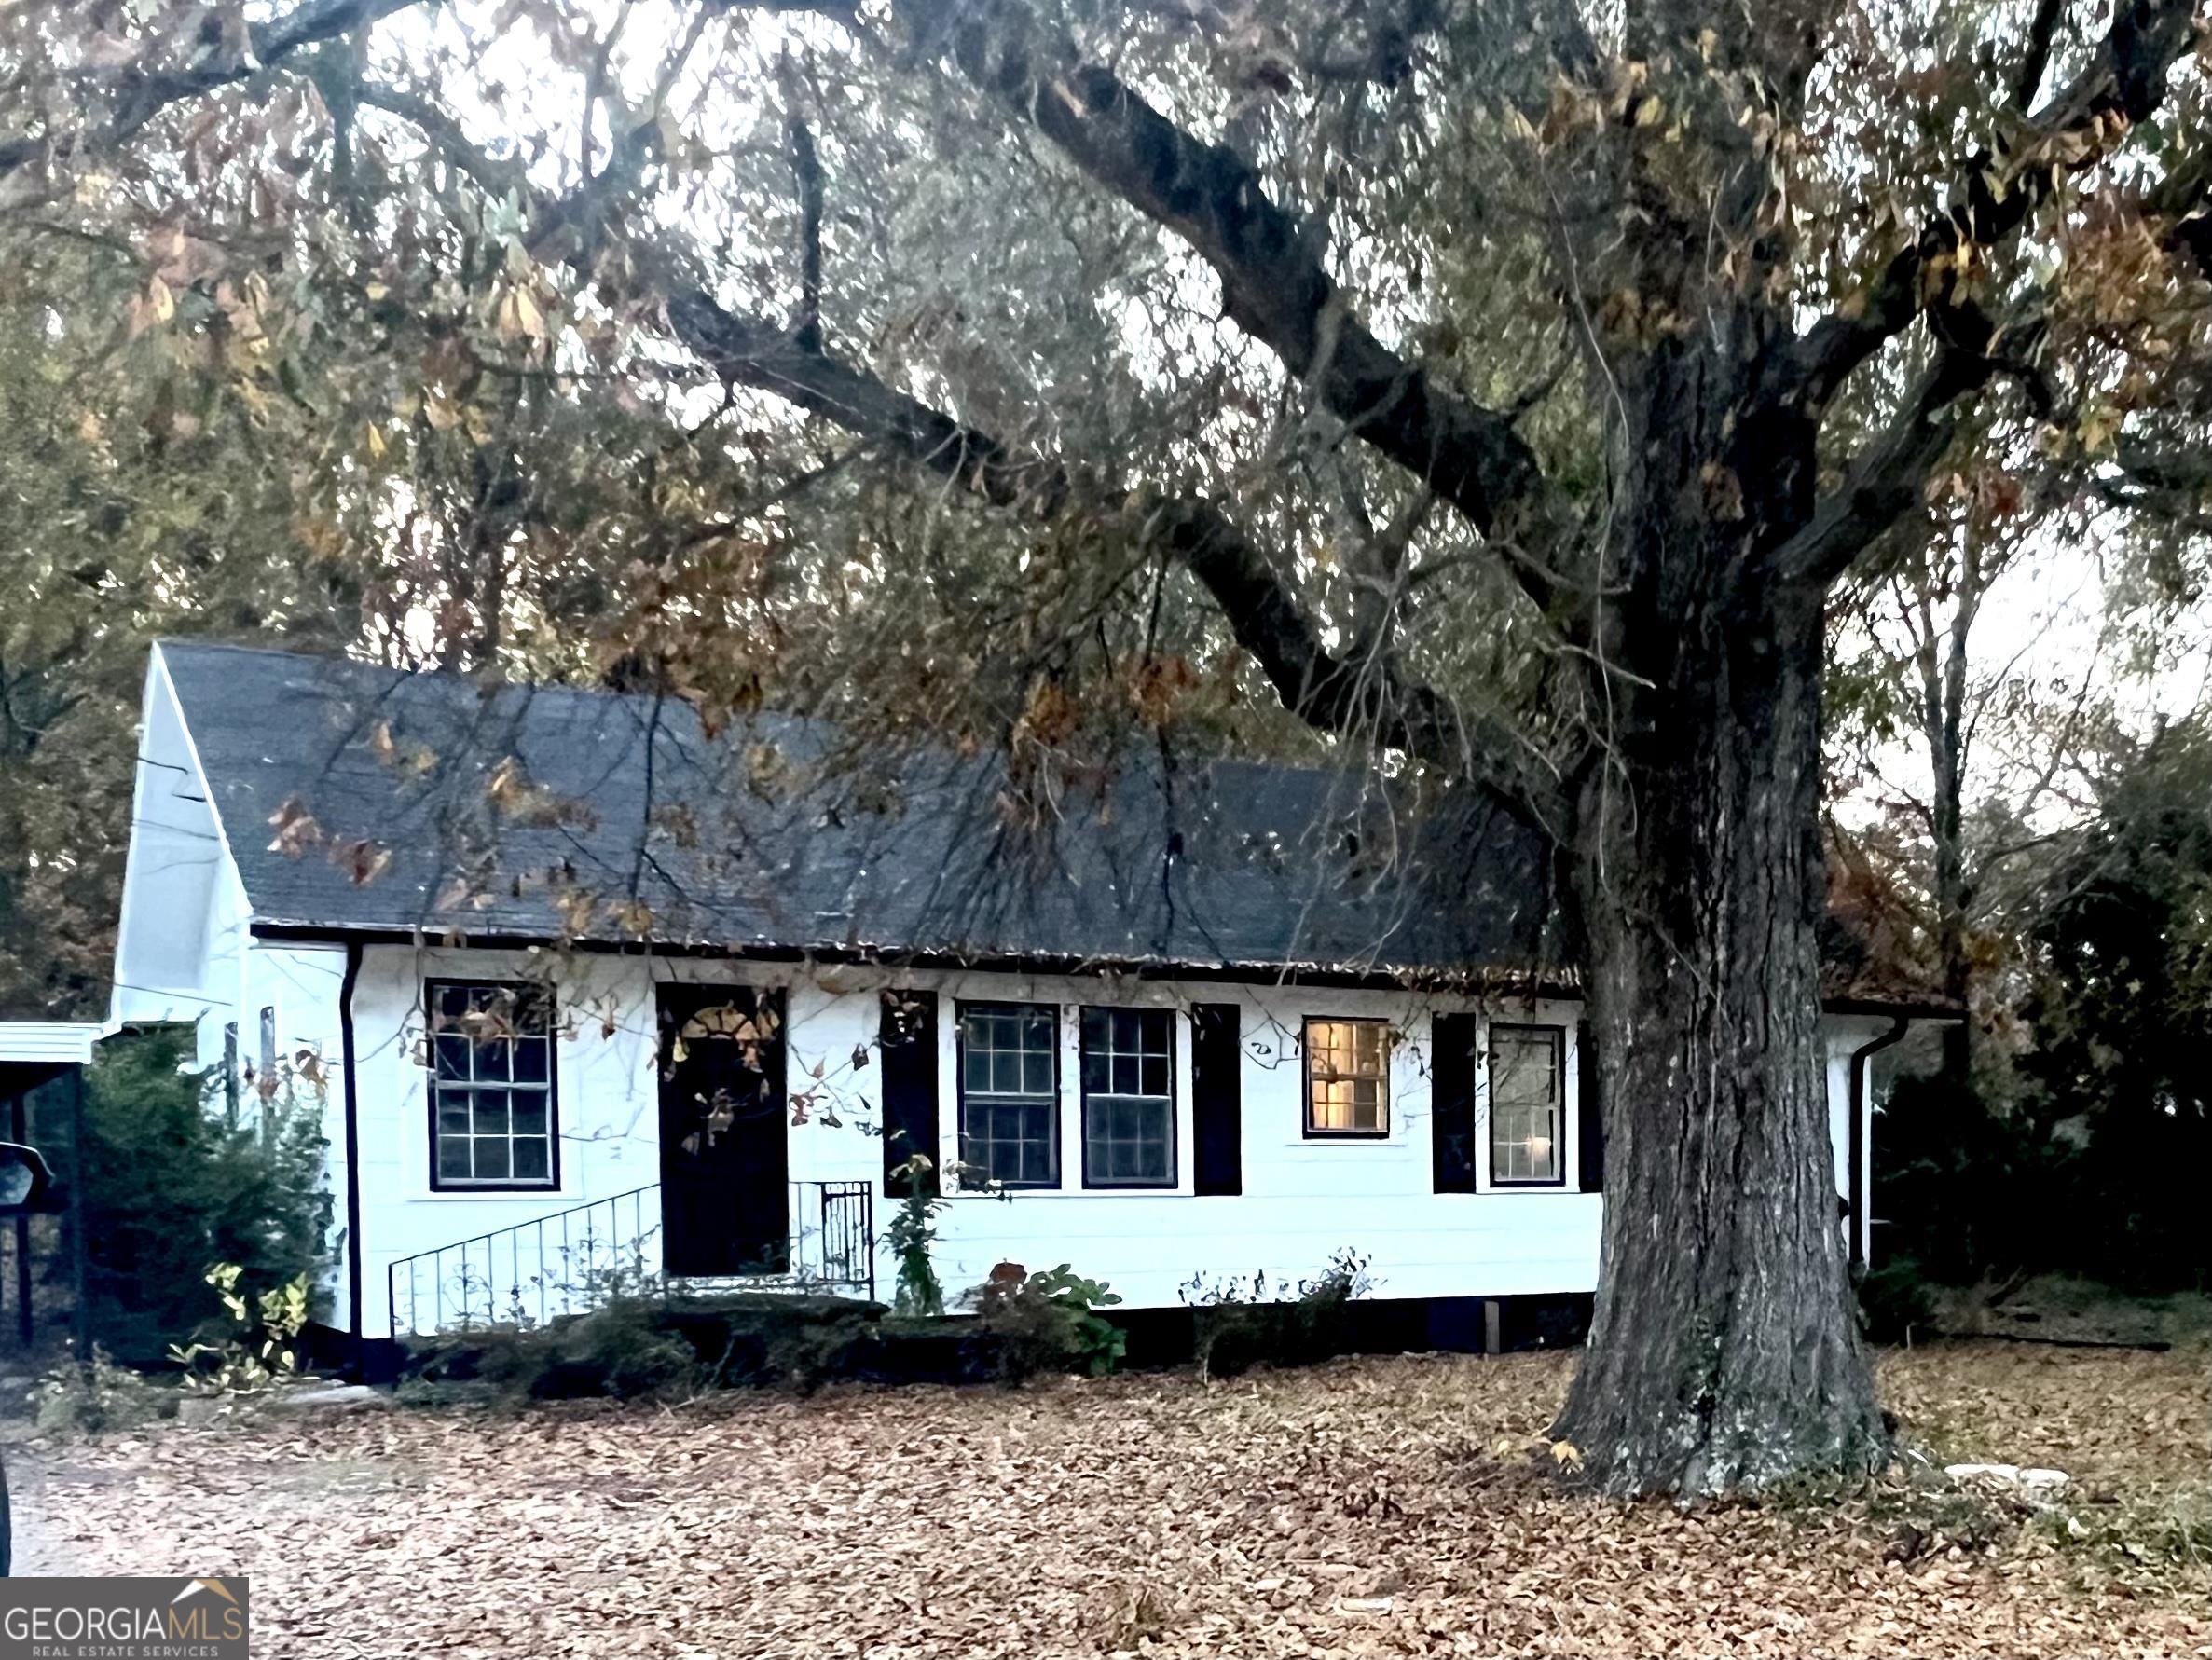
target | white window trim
x=1071, y=996
x=1565, y=1018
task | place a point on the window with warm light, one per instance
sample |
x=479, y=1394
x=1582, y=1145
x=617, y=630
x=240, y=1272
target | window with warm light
x=1528, y=1107
x=1347, y=1077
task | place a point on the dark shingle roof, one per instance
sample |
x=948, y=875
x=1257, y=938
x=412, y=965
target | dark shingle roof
x=532, y=813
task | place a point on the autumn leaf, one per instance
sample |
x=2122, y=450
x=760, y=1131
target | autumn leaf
x=296, y=829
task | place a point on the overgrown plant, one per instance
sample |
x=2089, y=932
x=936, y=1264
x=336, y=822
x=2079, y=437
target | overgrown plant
x=96, y=1397
x=1238, y=1324
x=1048, y=1322
x=262, y=1347
x=911, y=1232
x=170, y=1186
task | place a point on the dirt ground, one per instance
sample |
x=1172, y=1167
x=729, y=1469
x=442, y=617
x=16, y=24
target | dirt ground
x=1368, y=1507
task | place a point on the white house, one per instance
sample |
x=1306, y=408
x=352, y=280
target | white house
x=575, y=984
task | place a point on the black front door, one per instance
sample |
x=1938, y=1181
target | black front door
x=724, y=1161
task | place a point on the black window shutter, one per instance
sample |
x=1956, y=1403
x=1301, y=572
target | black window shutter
x=1451, y=1102
x=909, y=1056
x=1216, y=1098
x=1590, y=1114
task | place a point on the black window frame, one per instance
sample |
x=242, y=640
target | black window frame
x=551, y=1181
x=961, y=1007
x=1559, y=1073
x=1305, y=1040
x=1175, y=1149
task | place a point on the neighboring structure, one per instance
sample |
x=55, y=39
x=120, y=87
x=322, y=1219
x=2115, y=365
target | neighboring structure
x=33, y=1054
x=1222, y=1021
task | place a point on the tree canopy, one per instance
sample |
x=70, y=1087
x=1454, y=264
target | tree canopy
x=1495, y=392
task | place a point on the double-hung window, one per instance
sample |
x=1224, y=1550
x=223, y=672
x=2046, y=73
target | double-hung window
x=1528, y=1107
x=1347, y=1077
x=1129, y=1098
x=1009, y=1093
x=491, y=1086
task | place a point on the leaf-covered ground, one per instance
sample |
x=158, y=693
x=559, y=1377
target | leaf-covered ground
x=1368, y=1507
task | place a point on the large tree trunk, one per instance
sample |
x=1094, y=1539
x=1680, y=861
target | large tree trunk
x=1725, y=1353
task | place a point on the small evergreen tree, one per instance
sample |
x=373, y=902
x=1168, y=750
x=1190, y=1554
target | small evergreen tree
x=170, y=1189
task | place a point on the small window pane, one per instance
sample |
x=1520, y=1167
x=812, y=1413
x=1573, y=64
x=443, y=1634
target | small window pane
x=530, y=1060
x=491, y=1058
x=531, y=1160
x=530, y=1112
x=453, y=1158
x=492, y=1112
x=491, y=1158
x=451, y=1055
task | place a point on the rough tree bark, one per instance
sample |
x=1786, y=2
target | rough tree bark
x=1725, y=1352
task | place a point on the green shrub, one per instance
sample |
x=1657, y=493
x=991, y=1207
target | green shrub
x=1238, y=1325
x=170, y=1189
x=1895, y=1302
x=98, y=1399
x=1047, y=1321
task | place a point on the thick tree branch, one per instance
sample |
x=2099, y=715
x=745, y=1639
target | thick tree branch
x=142, y=93
x=1346, y=696
x=2035, y=62
x=807, y=171
x=1273, y=282
x=1886, y=478
x=2124, y=83
x=1355, y=699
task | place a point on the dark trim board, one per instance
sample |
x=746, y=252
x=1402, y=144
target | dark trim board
x=1164, y=1337
x=353, y=1102
x=1496, y=984
x=1500, y=984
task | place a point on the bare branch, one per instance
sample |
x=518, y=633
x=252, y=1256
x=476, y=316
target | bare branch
x=1350, y=698
x=2043, y=36
x=1273, y=282
x=1338, y=695
x=808, y=169
x=141, y=93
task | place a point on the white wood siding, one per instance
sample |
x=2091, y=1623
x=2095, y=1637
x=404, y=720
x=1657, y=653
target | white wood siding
x=1302, y=1202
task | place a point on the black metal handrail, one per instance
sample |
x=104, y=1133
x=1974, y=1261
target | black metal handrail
x=574, y=1260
